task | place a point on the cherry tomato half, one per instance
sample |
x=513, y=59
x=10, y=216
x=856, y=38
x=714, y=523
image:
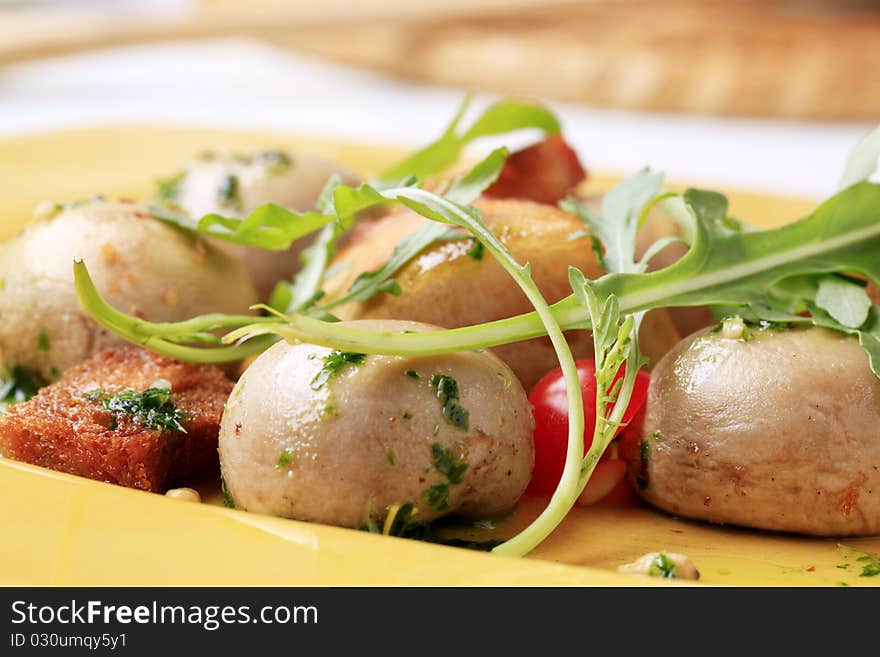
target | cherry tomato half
x=550, y=408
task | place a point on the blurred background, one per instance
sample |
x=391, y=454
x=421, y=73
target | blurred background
x=768, y=95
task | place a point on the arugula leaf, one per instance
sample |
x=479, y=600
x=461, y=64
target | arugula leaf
x=738, y=268
x=464, y=190
x=777, y=273
x=622, y=215
x=721, y=268
x=863, y=160
x=623, y=212
x=269, y=227
x=471, y=186
x=301, y=294
x=845, y=301
x=324, y=203
x=304, y=291
x=615, y=336
x=369, y=283
x=504, y=116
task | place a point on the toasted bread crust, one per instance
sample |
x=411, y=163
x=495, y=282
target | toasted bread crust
x=62, y=429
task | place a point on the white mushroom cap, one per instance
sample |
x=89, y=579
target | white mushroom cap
x=140, y=265
x=775, y=429
x=371, y=436
x=235, y=185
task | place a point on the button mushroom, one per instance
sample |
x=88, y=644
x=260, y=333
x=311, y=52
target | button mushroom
x=318, y=435
x=139, y=264
x=770, y=428
x=235, y=185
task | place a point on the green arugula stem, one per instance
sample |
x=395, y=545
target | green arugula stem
x=146, y=334
x=340, y=336
x=607, y=423
x=565, y=495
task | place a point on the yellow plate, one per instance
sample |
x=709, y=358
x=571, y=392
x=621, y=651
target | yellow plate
x=62, y=530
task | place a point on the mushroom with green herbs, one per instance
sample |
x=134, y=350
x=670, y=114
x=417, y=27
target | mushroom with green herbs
x=341, y=438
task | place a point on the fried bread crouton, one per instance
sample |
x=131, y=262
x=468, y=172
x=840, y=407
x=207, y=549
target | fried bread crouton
x=111, y=418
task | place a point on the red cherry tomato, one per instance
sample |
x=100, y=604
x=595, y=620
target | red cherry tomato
x=607, y=485
x=550, y=408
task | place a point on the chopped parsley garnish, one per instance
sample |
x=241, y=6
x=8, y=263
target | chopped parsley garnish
x=168, y=189
x=401, y=522
x=437, y=496
x=274, y=161
x=18, y=386
x=413, y=374
x=392, y=459
x=227, y=193
x=43, y=342
x=398, y=522
x=870, y=563
x=285, y=459
x=644, y=460
x=333, y=363
x=447, y=463
x=406, y=415
x=644, y=453
x=476, y=251
x=447, y=393
x=151, y=408
x=227, y=498
x=662, y=566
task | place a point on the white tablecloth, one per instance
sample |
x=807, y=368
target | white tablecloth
x=243, y=83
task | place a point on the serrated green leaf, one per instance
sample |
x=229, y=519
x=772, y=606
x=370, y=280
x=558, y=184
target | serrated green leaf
x=618, y=223
x=471, y=186
x=504, y=116
x=846, y=302
x=863, y=160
